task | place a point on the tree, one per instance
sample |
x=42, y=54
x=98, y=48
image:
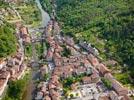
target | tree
x=66, y=51
x=46, y=76
x=16, y=89
x=71, y=96
x=77, y=94
x=107, y=83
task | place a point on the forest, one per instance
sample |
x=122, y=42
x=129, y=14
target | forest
x=46, y=5
x=7, y=36
x=107, y=24
x=7, y=40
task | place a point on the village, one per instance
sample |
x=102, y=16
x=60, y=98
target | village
x=70, y=71
x=77, y=76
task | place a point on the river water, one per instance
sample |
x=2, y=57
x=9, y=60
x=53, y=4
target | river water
x=28, y=94
x=45, y=16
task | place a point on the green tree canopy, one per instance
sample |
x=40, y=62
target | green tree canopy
x=7, y=40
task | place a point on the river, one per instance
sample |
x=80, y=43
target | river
x=29, y=92
x=45, y=16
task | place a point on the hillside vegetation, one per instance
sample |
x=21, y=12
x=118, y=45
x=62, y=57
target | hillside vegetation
x=46, y=5
x=7, y=40
x=3, y=4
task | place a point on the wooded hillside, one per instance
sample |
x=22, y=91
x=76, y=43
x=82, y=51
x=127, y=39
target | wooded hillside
x=110, y=21
x=7, y=40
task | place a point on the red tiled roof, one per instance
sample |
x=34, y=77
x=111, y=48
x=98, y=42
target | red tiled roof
x=51, y=86
x=2, y=82
x=57, y=55
x=118, y=87
x=94, y=75
x=24, y=30
x=74, y=86
x=54, y=95
x=4, y=74
x=108, y=76
x=49, y=53
x=102, y=69
x=47, y=97
x=18, y=56
x=104, y=98
x=86, y=80
x=2, y=61
x=94, y=61
x=125, y=97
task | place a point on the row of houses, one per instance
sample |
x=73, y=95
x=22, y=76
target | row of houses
x=48, y=91
x=89, y=48
x=24, y=34
x=12, y=68
x=4, y=77
x=69, y=67
x=105, y=72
